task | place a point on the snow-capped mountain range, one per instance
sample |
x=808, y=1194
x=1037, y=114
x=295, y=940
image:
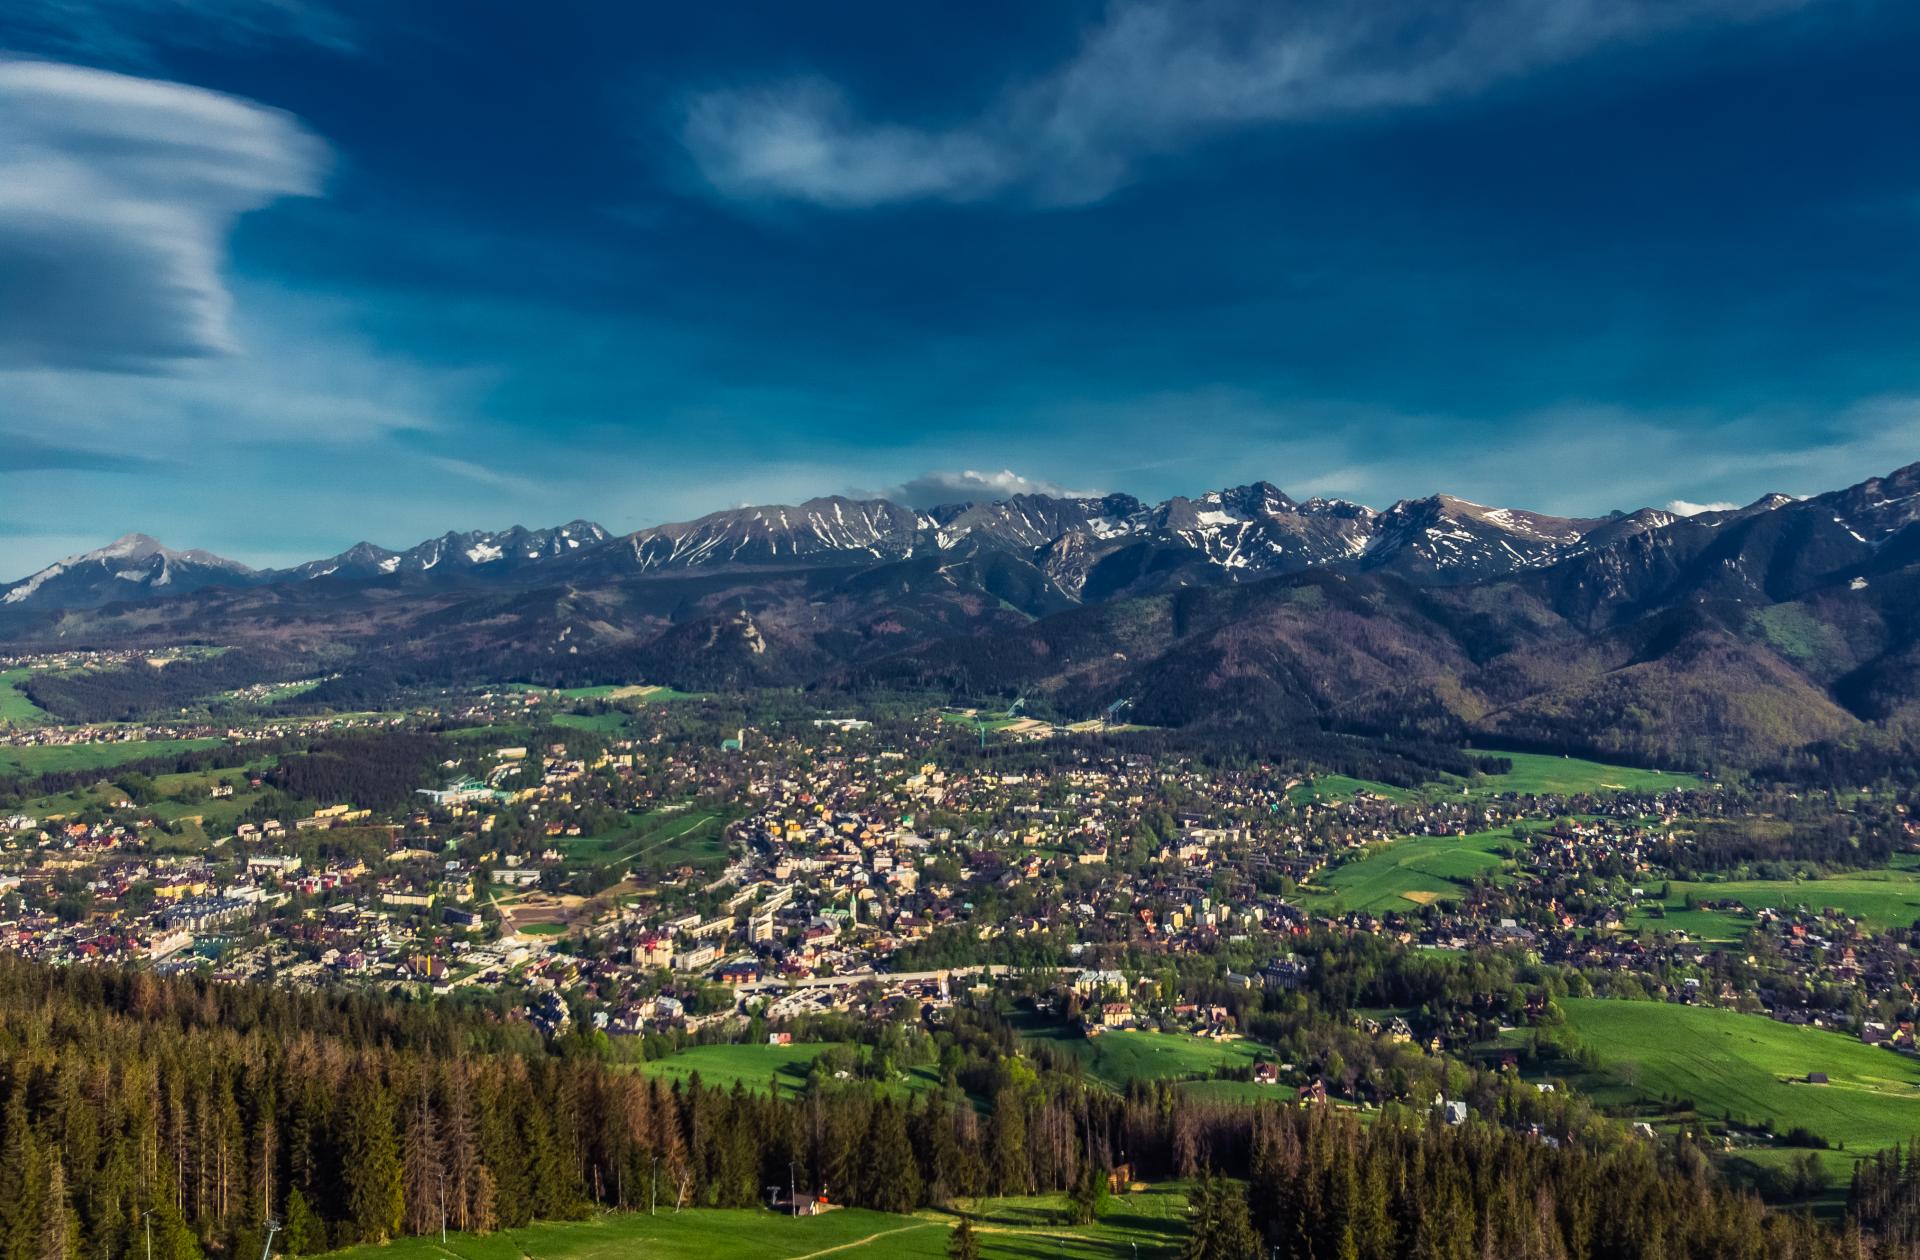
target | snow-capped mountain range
x=1087, y=548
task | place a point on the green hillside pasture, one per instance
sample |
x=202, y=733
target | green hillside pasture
x=1755, y=1068
x=43, y=760
x=1339, y=787
x=1115, y=1058
x=1149, y=1223
x=1411, y=871
x=1544, y=774
x=1886, y=899
x=1537, y=774
x=16, y=709
x=758, y=1066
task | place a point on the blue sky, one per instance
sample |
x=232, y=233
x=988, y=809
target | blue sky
x=276, y=276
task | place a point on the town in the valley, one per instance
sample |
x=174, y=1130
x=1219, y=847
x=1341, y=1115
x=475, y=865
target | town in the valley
x=673, y=873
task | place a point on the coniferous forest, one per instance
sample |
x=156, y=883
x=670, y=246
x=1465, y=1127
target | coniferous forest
x=130, y=1102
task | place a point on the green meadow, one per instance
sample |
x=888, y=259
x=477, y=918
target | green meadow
x=1544, y=774
x=1149, y=1223
x=1114, y=1058
x=1326, y=788
x=1237, y=1092
x=660, y=838
x=1751, y=1067
x=1533, y=774
x=1411, y=871
x=1886, y=899
x=759, y=1067
x=44, y=760
x=16, y=709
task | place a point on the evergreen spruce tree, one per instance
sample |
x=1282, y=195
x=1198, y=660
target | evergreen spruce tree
x=304, y=1233
x=963, y=1243
x=1221, y=1226
x=1089, y=1194
x=1009, y=1165
x=376, y=1201
x=892, y=1181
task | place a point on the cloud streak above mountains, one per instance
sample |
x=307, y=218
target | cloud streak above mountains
x=937, y=488
x=1153, y=77
x=117, y=195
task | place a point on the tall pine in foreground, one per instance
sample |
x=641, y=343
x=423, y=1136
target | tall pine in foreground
x=1222, y=1228
x=375, y=1193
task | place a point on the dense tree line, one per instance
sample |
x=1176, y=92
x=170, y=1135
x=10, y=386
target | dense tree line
x=372, y=769
x=127, y=693
x=1885, y=1198
x=211, y=1108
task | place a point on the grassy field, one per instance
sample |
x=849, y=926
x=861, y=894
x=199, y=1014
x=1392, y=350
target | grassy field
x=1151, y=1221
x=37, y=760
x=661, y=838
x=612, y=691
x=1536, y=774
x=1753, y=1067
x=1415, y=870
x=758, y=1066
x=1237, y=1091
x=1542, y=774
x=15, y=708
x=182, y=796
x=1885, y=899
x=1117, y=1057
x=1325, y=788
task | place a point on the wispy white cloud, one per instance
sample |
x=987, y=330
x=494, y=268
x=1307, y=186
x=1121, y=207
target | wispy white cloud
x=116, y=197
x=803, y=140
x=1153, y=77
x=933, y=489
x=481, y=474
x=1681, y=507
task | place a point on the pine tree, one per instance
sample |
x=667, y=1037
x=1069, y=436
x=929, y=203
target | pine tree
x=892, y=1182
x=1222, y=1228
x=962, y=1243
x=376, y=1201
x=1089, y=1193
x=423, y=1171
x=1011, y=1168
x=56, y=1216
x=304, y=1233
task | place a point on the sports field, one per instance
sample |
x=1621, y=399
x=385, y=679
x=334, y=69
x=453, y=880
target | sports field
x=1753, y=1067
x=1412, y=871
x=1149, y=1223
x=659, y=838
